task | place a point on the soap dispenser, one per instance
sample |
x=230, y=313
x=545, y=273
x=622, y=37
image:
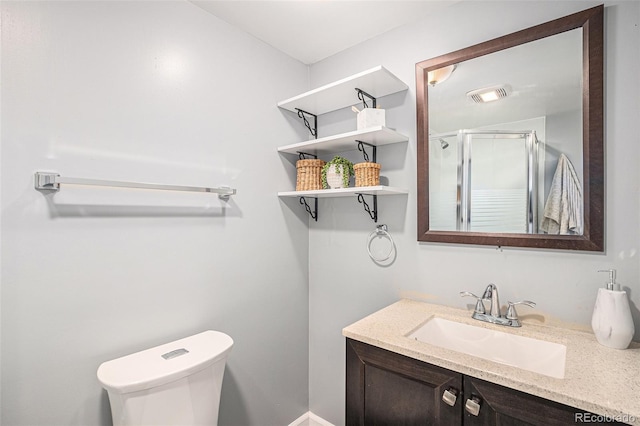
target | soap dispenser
x=611, y=321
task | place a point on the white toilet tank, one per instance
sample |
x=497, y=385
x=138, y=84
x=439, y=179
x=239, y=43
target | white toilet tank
x=177, y=383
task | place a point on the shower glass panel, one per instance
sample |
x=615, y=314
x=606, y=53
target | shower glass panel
x=443, y=182
x=496, y=181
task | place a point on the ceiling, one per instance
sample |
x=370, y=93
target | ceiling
x=311, y=30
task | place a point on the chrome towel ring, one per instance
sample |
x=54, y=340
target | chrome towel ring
x=380, y=231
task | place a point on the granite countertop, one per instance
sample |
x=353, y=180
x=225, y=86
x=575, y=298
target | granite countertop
x=598, y=379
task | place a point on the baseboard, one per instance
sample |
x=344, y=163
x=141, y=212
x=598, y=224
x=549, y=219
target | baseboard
x=300, y=421
x=319, y=420
x=310, y=419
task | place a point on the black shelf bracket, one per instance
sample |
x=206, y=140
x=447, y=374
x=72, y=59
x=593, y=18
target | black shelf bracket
x=303, y=155
x=303, y=114
x=364, y=153
x=361, y=96
x=314, y=213
x=373, y=214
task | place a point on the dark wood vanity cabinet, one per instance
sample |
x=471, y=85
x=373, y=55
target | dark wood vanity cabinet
x=507, y=407
x=386, y=388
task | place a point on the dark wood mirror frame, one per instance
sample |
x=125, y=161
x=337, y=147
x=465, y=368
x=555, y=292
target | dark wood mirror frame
x=591, y=21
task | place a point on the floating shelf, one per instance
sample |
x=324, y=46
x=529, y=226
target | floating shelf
x=375, y=136
x=377, y=82
x=346, y=192
x=370, y=84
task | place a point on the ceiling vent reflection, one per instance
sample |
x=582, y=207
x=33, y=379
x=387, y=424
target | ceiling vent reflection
x=489, y=94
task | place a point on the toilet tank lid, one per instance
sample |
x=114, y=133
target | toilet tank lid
x=165, y=363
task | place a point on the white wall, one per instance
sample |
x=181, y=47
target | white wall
x=346, y=285
x=159, y=92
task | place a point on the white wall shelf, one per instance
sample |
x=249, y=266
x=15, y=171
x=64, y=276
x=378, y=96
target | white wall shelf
x=377, y=82
x=375, y=136
x=346, y=192
x=359, y=192
x=366, y=86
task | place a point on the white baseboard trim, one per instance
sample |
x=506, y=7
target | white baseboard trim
x=310, y=419
x=300, y=420
x=319, y=420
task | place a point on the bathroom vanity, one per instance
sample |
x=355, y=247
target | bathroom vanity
x=392, y=378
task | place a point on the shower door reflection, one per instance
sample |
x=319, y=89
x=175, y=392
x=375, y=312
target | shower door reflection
x=487, y=181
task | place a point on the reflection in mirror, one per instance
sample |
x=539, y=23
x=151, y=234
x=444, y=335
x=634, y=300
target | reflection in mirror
x=499, y=193
x=510, y=139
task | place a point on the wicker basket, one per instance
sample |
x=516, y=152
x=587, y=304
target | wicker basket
x=309, y=176
x=367, y=174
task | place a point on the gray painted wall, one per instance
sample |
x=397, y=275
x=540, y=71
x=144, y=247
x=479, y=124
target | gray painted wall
x=346, y=285
x=160, y=92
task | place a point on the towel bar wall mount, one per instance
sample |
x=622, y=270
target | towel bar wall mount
x=48, y=181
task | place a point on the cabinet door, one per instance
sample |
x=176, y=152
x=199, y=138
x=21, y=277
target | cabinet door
x=507, y=407
x=385, y=388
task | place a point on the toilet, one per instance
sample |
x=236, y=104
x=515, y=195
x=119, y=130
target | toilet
x=177, y=383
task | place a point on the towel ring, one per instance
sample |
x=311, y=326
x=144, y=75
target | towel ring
x=381, y=230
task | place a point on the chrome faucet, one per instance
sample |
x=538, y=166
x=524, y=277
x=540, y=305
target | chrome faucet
x=495, y=316
x=491, y=293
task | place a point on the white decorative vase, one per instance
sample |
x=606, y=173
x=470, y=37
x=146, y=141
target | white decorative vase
x=612, y=322
x=334, y=177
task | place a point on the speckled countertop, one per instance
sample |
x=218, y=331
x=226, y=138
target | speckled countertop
x=597, y=379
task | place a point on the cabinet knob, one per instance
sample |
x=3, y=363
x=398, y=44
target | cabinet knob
x=473, y=406
x=450, y=396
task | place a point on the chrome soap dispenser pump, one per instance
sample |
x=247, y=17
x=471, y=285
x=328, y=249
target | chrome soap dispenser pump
x=611, y=321
x=612, y=278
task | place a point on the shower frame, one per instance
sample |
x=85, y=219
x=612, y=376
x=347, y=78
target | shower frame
x=463, y=190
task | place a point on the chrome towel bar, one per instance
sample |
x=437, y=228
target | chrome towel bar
x=51, y=182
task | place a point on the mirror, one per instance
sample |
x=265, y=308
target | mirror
x=510, y=139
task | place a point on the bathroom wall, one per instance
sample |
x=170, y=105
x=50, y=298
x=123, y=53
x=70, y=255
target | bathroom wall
x=345, y=285
x=154, y=92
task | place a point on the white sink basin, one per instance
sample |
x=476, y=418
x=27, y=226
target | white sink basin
x=535, y=355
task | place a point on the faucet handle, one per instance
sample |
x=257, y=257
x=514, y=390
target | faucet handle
x=479, y=305
x=511, y=310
